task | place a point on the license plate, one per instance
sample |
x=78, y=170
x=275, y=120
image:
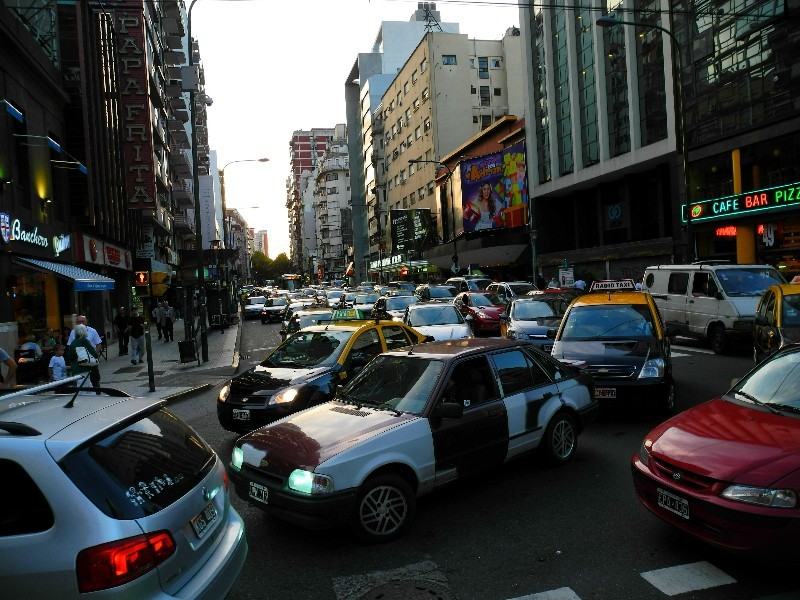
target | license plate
x=673, y=503
x=605, y=392
x=202, y=522
x=259, y=492
x=547, y=348
x=241, y=414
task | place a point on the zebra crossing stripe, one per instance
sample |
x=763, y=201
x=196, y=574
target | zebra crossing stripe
x=559, y=594
x=687, y=578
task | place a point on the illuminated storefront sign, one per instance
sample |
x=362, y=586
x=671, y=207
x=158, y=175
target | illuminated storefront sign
x=739, y=205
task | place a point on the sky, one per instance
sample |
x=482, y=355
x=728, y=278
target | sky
x=275, y=67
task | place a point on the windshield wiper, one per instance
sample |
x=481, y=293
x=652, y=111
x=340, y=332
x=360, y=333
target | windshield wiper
x=755, y=400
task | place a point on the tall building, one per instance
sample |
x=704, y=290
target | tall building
x=261, y=242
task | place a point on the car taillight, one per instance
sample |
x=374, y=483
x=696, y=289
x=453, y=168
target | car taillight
x=225, y=479
x=112, y=564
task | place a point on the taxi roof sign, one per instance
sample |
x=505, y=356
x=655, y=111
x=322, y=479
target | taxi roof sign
x=795, y=279
x=613, y=285
x=348, y=314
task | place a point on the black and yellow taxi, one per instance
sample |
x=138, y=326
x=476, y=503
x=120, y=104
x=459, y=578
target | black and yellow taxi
x=306, y=368
x=777, y=321
x=615, y=331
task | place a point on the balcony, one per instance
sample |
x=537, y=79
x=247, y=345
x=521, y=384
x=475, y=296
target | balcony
x=182, y=194
x=184, y=224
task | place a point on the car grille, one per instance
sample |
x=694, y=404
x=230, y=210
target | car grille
x=613, y=371
x=680, y=478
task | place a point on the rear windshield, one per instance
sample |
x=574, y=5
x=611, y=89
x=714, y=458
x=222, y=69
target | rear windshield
x=142, y=467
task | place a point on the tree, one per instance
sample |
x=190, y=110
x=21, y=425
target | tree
x=261, y=267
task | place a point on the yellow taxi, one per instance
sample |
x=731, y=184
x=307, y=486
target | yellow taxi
x=616, y=333
x=777, y=321
x=306, y=368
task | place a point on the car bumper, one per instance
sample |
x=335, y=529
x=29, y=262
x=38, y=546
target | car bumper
x=258, y=416
x=635, y=391
x=310, y=512
x=485, y=326
x=732, y=526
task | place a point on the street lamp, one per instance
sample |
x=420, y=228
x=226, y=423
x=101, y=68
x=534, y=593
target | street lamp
x=680, y=123
x=414, y=161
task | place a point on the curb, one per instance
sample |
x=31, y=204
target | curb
x=237, y=346
x=188, y=392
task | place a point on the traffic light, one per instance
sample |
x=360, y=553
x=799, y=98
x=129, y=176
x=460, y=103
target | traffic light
x=142, y=278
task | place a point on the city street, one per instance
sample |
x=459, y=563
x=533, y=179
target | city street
x=577, y=532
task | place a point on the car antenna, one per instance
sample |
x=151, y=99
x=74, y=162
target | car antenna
x=71, y=402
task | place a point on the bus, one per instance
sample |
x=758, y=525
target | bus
x=289, y=281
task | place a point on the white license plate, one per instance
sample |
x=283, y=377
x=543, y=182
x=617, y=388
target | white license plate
x=202, y=522
x=605, y=392
x=673, y=503
x=259, y=492
x=241, y=414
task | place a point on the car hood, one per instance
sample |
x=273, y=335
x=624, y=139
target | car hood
x=270, y=378
x=536, y=326
x=730, y=442
x=492, y=311
x=621, y=351
x=745, y=305
x=309, y=438
x=445, y=332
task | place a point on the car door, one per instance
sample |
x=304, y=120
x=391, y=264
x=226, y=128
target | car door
x=764, y=330
x=702, y=305
x=478, y=439
x=673, y=304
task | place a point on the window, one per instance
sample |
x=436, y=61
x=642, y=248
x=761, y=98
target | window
x=416, y=104
x=426, y=125
x=485, y=95
x=406, y=87
x=471, y=383
x=498, y=91
x=409, y=140
x=448, y=59
x=395, y=337
x=399, y=99
x=496, y=63
x=411, y=199
x=430, y=189
x=333, y=190
x=423, y=66
x=471, y=63
x=483, y=67
x=414, y=77
x=391, y=106
x=421, y=193
x=366, y=347
x=331, y=177
x=417, y=133
x=486, y=121
x=678, y=283
x=475, y=118
x=517, y=372
x=425, y=94
x=405, y=201
x=26, y=509
x=473, y=90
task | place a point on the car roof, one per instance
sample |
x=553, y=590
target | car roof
x=600, y=298
x=788, y=289
x=450, y=348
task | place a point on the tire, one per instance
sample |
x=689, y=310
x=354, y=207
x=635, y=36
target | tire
x=669, y=403
x=718, y=339
x=384, y=508
x=560, y=440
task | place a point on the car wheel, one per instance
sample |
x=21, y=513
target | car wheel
x=384, y=508
x=669, y=404
x=718, y=339
x=560, y=439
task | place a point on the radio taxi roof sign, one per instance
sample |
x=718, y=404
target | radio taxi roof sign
x=613, y=285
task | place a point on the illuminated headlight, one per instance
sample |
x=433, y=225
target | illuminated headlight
x=237, y=458
x=761, y=496
x=284, y=396
x=644, y=452
x=224, y=392
x=652, y=368
x=310, y=483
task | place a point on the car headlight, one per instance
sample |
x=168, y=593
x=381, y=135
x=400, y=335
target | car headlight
x=513, y=334
x=224, y=392
x=652, y=368
x=285, y=395
x=776, y=498
x=310, y=483
x=644, y=452
x=237, y=458
x=483, y=315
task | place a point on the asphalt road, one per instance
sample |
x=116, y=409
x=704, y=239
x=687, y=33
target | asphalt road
x=527, y=531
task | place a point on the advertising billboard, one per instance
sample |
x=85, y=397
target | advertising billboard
x=412, y=229
x=494, y=190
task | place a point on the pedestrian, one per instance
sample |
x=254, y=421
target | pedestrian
x=136, y=324
x=92, y=334
x=157, y=315
x=81, y=338
x=10, y=378
x=552, y=284
x=167, y=320
x=123, y=334
x=30, y=344
x=58, y=366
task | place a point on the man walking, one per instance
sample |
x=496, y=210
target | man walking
x=121, y=325
x=158, y=317
x=168, y=318
x=136, y=323
x=92, y=334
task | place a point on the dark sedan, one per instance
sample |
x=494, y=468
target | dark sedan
x=530, y=318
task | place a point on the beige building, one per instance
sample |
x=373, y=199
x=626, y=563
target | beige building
x=450, y=89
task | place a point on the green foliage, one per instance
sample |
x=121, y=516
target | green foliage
x=264, y=268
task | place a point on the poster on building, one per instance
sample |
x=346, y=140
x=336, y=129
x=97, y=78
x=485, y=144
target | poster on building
x=412, y=229
x=494, y=190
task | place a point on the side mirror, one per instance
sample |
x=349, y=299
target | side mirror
x=430, y=338
x=551, y=334
x=448, y=410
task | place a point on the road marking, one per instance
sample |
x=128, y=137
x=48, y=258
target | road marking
x=559, y=594
x=687, y=578
x=693, y=349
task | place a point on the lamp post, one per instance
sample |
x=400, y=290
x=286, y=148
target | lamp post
x=680, y=124
x=412, y=161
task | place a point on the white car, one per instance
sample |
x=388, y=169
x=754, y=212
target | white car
x=365, y=302
x=252, y=309
x=439, y=321
x=392, y=307
x=332, y=298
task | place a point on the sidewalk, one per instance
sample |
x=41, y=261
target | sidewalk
x=172, y=379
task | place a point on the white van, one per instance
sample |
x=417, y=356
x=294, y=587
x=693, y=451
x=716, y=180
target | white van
x=713, y=300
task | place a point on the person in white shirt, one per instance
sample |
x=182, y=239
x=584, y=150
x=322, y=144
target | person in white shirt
x=93, y=336
x=30, y=344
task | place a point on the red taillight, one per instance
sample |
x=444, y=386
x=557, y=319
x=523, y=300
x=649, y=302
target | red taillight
x=112, y=564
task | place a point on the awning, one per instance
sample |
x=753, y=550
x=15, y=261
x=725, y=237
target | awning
x=85, y=281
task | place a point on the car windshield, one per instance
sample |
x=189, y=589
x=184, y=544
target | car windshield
x=307, y=349
x=257, y=300
x=608, y=321
x=442, y=292
x=529, y=311
x=791, y=311
x=350, y=296
x=397, y=382
x=367, y=299
x=400, y=302
x=434, y=315
x=775, y=382
x=520, y=289
x=487, y=299
x=748, y=281
x=277, y=301
x=304, y=321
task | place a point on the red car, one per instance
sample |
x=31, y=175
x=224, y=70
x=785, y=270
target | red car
x=485, y=309
x=728, y=471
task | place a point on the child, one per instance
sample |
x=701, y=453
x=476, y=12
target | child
x=58, y=367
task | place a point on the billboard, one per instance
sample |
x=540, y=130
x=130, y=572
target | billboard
x=494, y=190
x=412, y=229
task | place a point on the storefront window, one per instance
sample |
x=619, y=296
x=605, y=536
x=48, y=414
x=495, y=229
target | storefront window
x=32, y=313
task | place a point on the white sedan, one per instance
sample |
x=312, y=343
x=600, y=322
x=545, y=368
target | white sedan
x=252, y=310
x=438, y=320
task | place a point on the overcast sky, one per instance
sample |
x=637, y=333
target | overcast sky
x=274, y=67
